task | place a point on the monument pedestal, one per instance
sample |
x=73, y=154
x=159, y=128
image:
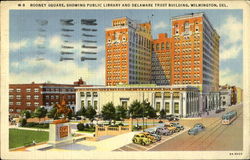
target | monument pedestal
x=60, y=134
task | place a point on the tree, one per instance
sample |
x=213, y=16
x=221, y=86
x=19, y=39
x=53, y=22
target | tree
x=136, y=110
x=108, y=112
x=52, y=113
x=81, y=112
x=40, y=112
x=163, y=113
x=26, y=114
x=90, y=113
x=150, y=111
x=120, y=112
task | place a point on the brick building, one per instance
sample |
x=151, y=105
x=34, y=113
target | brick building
x=128, y=52
x=161, y=60
x=30, y=96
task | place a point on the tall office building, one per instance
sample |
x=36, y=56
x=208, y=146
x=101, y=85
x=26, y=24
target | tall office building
x=128, y=52
x=195, y=52
x=161, y=59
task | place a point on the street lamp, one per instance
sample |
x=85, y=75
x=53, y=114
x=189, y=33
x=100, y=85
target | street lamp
x=143, y=112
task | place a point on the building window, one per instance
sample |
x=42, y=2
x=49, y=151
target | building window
x=18, y=90
x=158, y=95
x=69, y=97
x=89, y=103
x=18, y=103
x=36, y=97
x=186, y=27
x=95, y=94
x=158, y=106
x=18, y=110
x=167, y=95
x=11, y=96
x=167, y=107
x=167, y=45
x=57, y=97
x=157, y=47
x=176, y=107
x=95, y=104
x=28, y=103
x=124, y=104
x=162, y=46
x=88, y=94
x=28, y=90
x=11, y=103
x=82, y=94
x=47, y=97
x=176, y=95
x=82, y=103
x=36, y=90
x=11, y=90
x=37, y=104
x=28, y=97
x=18, y=96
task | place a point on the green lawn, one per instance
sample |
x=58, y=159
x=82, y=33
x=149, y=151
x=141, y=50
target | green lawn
x=18, y=137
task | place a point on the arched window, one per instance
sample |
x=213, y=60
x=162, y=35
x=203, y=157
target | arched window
x=167, y=46
x=186, y=27
x=162, y=46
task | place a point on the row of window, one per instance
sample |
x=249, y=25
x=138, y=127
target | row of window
x=27, y=103
x=167, y=107
x=27, y=97
x=19, y=90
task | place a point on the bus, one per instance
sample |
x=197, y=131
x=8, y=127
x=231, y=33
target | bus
x=229, y=117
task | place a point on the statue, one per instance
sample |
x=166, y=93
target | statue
x=62, y=109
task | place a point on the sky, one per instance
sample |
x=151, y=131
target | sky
x=25, y=39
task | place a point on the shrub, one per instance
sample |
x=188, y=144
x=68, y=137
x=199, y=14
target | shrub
x=23, y=122
x=121, y=124
x=80, y=127
x=87, y=126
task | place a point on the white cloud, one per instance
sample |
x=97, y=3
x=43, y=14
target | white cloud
x=39, y=41
x=231, y=34
x=161, y=25
x=58, y=72
x=18, y=45
x=230, y=52
x=231, y=78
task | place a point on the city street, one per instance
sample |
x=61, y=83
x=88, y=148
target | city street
x=215, y=136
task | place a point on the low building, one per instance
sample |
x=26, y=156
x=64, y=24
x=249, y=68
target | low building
x=179, y=100
x=225, y=97
x=33, y=95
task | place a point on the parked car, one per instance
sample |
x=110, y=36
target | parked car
x=163, y=131
x=152, y=138
x=172, y=117
x=196, y=129
x=157, y=136
x=172, y=128
x=177, y=125
x=141, y=139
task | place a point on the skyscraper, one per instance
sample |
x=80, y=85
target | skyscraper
x=128, y=52
x=196, y=52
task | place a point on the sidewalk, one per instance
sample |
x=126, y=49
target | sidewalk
x=32, y=129
x=108, y=144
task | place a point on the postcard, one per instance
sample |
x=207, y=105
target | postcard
x=125, y=79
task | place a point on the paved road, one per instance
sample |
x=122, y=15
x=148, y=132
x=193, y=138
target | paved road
x=214, y=138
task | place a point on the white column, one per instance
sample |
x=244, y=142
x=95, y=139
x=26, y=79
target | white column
x=184, y=105
x=153, y=100
x=162, y=102
x=78, y=101
x=180, y=104
x=85, y=100
x=171, y=103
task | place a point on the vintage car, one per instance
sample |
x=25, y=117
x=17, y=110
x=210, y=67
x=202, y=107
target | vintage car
x=152, y=132
x=171, y=128
x=177, y=125
x=196, y=129
x=163, y=131
x=152, y=138
x=141, y=139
